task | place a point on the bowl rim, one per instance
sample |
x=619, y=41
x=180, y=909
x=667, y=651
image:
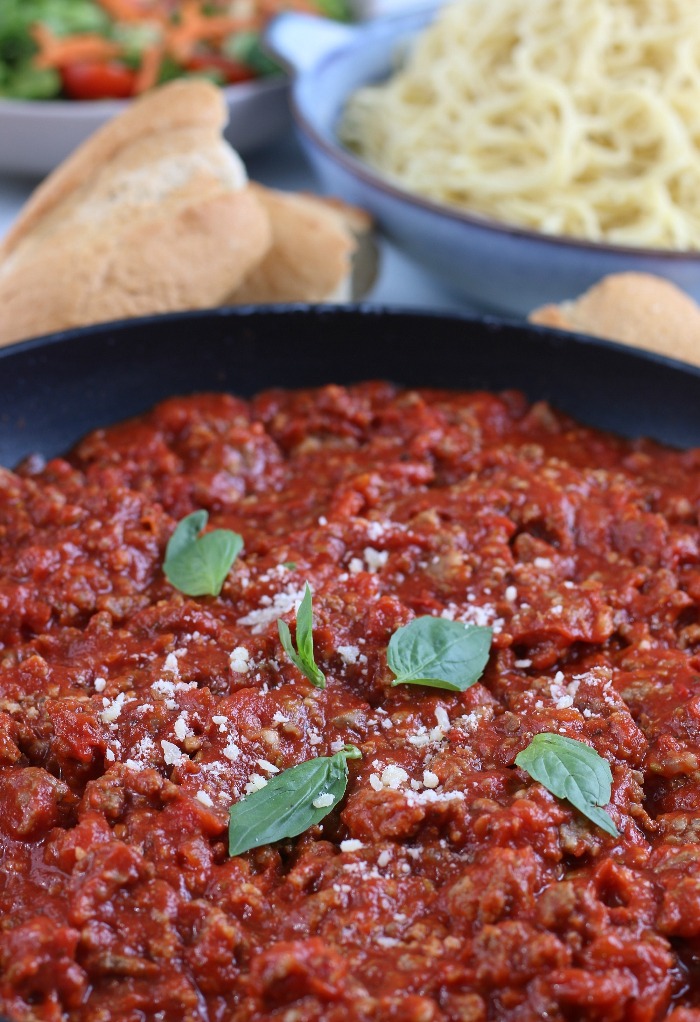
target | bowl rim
x=331, y=146
x=101, y=108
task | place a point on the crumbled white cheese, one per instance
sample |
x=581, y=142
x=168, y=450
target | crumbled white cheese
x=112, y=709
x=181, y=728
x=442, y=718
x=355, y=566
x=375, y=559
x=254, y=783
x=375, y=530
x=172, y=755
x=273, y=607
x=393, y=776
x=523, y=663
x=171, y=665
x=351, y=845
x=511, y=594
x=231, y=751
x=430, y=780
x=100, y=684
x=204, y=798
x=420, y=740
x=428, y=796
x=269, y=768
x=542, y=562
x=384, y=858
x=322, y=801
x=239, y=660
x=349, y=653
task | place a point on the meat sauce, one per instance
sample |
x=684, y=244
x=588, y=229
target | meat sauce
x=448, y=886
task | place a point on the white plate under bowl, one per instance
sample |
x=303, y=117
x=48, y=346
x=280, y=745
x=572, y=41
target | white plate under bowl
x=36, y=135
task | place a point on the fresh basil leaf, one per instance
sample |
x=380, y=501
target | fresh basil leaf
x=572, y=770
x=303, y=656
x=197, y=564
x=285, y=807
x=439, y=653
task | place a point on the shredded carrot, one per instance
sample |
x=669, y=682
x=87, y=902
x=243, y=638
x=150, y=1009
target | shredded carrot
x=182, y=26
x=193, y=27
x=148, y=73
x=269, y=8
x=60, y=51
x=130, y=11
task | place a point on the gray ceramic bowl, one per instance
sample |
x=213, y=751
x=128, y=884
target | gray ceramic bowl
x=35, y=136
x=497, y=266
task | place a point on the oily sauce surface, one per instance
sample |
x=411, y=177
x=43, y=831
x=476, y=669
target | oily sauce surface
x=449, y=885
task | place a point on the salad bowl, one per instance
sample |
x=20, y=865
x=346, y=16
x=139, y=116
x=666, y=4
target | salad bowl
x=35, y=136
x=67, y=66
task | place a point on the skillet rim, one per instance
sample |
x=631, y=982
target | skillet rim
x=212, y=327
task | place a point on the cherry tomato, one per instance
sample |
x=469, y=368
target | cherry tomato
x=232, y=70
x=96, y=80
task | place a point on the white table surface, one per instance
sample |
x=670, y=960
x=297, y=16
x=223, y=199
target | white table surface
x=283, y=165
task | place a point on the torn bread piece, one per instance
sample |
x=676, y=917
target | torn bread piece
x=310, y=258
x=151, y=214
x=635, y=308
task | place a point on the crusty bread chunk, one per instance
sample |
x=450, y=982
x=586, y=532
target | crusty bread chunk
x=151, y=214
x=634, y=308
x=310, y=258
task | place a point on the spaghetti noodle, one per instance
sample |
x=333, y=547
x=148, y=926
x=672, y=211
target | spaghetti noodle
x=573, y=117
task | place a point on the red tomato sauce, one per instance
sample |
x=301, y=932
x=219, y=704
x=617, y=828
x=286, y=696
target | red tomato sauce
x=448, y=886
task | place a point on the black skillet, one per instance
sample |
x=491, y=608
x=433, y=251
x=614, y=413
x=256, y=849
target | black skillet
x=55, y=389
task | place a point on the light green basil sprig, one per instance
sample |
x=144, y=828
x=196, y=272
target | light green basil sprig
x=303, y=656
x=197, y=564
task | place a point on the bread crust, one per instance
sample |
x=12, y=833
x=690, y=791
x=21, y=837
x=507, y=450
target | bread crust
x=150, y=214
x=310, y=257
x=640, y=309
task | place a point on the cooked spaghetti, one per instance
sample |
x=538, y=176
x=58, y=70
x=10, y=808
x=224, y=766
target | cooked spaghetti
x=573, y=117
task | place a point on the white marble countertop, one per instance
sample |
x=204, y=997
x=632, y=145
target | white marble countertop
x=283, y=165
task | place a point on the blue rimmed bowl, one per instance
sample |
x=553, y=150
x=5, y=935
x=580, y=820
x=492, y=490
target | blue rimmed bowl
x=498, y=266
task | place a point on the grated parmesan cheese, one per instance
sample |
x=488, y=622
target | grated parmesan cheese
x=351, y=845
x=349, y=654
x=375, y=559
x=172, y=755
x=239, y=660
x=273, y=607
x=322, y=801
x=254, y=783
x=113, y=709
